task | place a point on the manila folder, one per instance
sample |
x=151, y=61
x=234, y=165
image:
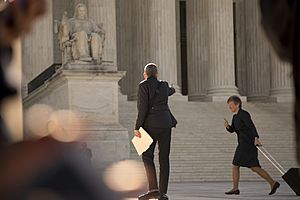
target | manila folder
x=142, y=144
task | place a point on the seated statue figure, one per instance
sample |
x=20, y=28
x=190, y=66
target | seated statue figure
x=80, y=38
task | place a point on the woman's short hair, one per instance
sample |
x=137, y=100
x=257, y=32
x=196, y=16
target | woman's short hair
x=151, y=70
x=236, y=100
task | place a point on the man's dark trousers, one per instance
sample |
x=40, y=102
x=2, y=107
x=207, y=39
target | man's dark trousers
x=162, y=136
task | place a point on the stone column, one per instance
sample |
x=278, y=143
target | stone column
x=221, y=50
x=150, y=28
x=178, y=42
x=140, y=45
x=104, y=11
x=133, y=43
x=38, y=46
x=240, y=46
x=163, y=38
x=124, y=40
x=257, y=54
x=197, y=51
x=281, y=80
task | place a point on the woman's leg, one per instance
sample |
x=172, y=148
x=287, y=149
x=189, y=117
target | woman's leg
x=261, y=172
x=235, y=177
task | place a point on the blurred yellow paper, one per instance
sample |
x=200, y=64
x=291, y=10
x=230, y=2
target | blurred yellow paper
x=142, y=144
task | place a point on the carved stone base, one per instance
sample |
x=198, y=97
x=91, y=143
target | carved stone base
x=80, y=65
x=109, y=144
x=282, y=95
x=94, y=93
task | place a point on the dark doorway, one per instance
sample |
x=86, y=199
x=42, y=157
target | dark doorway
x=183, y=48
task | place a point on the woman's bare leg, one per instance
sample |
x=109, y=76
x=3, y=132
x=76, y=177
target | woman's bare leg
x=235, y=177
x=261, y=172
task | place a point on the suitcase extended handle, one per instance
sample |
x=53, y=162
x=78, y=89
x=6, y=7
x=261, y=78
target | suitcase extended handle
x=271, y=159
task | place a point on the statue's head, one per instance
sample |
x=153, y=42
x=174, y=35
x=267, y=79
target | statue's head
x=81, y=11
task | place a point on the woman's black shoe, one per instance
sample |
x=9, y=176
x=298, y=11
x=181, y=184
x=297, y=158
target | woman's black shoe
x=231, y=192
x=274, y=188
x=150, y=195
x=163, y=197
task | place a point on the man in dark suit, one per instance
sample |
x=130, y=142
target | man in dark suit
x=156, y=118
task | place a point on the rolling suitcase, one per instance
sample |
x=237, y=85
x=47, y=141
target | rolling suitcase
x=291, y=177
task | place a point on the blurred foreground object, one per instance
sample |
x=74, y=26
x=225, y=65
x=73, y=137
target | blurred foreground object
x=18, y=17
x=281, y=22
x=126, y=176
x=45, y=168
x=48, y=168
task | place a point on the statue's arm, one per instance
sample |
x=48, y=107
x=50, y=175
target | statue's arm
x=56, y=26
x=98, y=28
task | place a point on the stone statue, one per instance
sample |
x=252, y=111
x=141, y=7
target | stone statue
x=80, y=39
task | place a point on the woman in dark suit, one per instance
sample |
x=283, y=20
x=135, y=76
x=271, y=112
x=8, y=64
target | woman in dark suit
x=246, y=154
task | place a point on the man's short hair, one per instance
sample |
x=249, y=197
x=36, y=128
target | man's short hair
x=236, y=100
x=151, y=70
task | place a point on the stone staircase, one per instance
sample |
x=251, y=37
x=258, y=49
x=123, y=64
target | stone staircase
x=201, y=148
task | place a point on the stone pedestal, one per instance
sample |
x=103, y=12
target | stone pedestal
x=94, y=93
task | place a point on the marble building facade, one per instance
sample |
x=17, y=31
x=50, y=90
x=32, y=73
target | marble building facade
x=207, y=49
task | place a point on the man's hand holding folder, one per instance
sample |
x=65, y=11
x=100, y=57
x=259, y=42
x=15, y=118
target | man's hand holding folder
x=141, y=141
x=137, y=134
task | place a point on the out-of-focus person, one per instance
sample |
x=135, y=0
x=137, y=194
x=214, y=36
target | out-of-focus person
x=281, y=22
x=16, y=19
x=44, y=168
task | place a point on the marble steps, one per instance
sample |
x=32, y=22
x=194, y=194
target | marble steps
x=202, y=150
x=220, y=152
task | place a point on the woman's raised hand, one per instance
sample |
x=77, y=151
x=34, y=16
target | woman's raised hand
x=226, y=123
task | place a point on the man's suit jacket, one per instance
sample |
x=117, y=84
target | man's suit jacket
x=153, y=109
